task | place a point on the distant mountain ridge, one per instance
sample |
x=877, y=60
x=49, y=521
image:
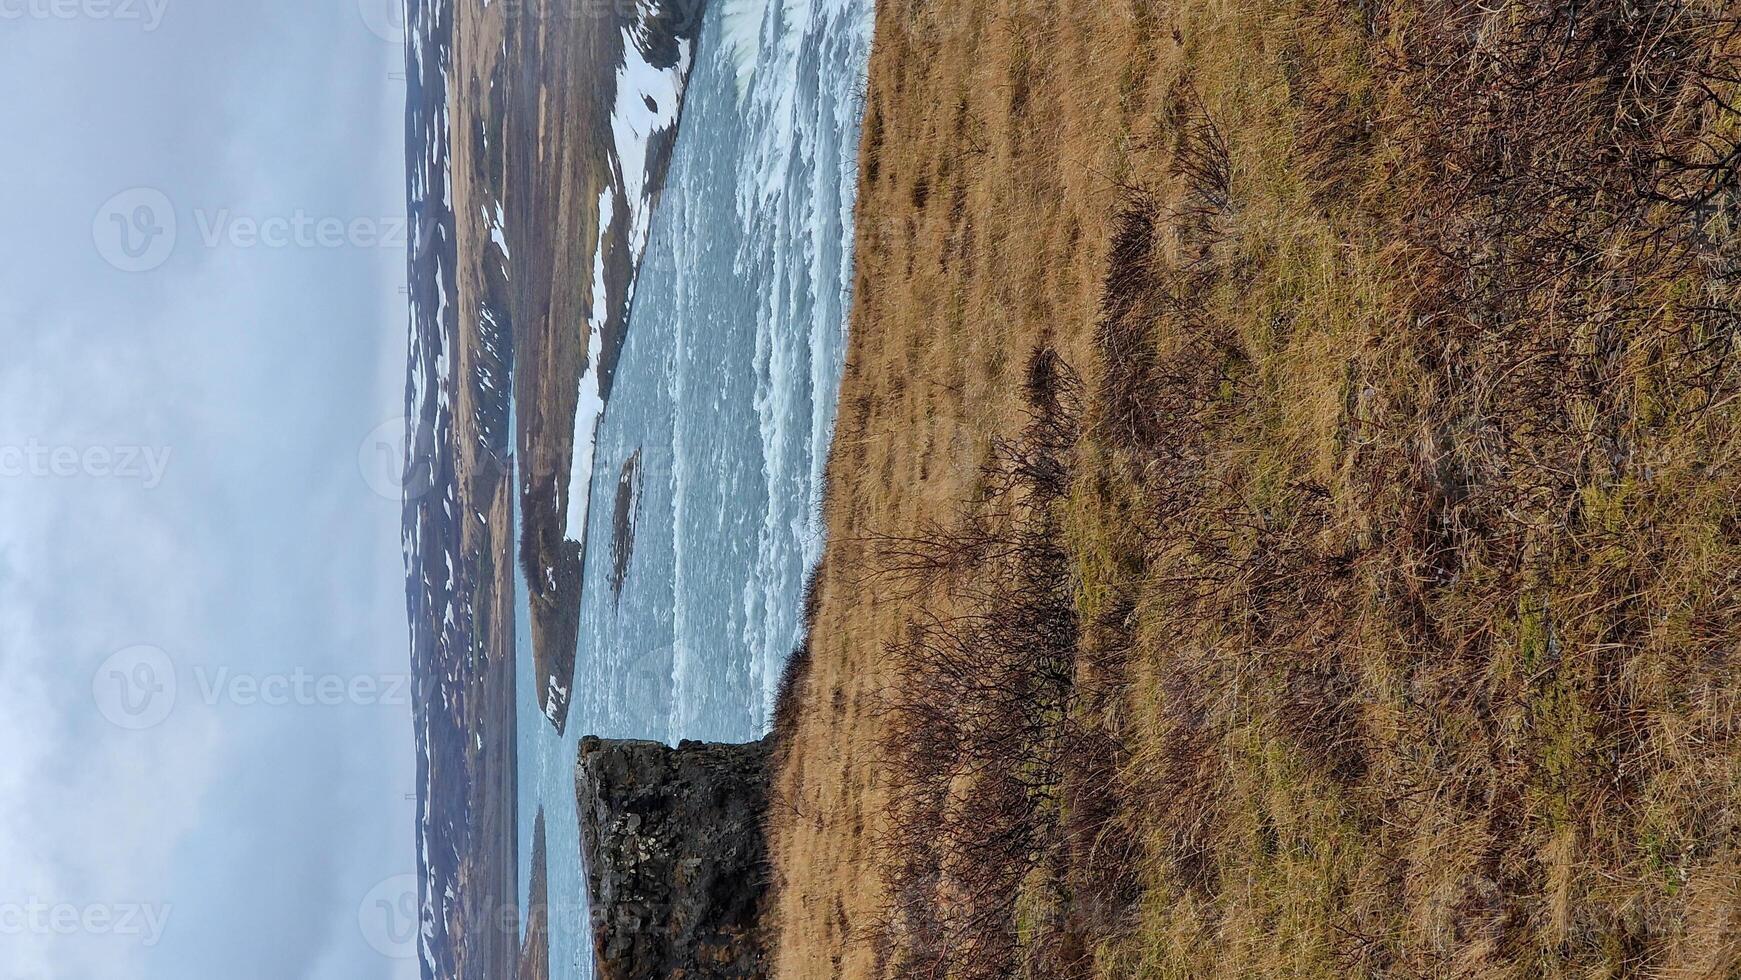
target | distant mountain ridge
x=537, y=141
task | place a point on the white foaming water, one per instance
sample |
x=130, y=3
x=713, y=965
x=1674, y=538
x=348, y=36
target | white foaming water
x=796, y=191
x=742, y=34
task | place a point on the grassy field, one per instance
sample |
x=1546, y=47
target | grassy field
x=1285, y=512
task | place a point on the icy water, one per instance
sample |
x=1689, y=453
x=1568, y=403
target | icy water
x=726, y=396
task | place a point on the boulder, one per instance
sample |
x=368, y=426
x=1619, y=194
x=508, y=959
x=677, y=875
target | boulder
x=675, y=858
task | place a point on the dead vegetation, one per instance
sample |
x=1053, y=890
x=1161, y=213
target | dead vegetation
x=978, y=718
x=1370, y=606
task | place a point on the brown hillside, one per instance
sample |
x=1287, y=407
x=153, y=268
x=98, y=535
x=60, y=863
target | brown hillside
x=1285, y=511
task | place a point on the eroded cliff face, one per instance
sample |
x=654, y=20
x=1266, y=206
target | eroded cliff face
x=675, y=858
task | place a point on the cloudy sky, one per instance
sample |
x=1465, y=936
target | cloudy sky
x=204, y=739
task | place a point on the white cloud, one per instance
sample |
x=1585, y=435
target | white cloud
x=90, y=814
x=261, y=551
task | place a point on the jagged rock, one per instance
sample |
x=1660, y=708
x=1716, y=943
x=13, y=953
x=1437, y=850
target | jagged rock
x=675, y=858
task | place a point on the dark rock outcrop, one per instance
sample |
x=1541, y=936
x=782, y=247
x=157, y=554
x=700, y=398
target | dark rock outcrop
x=675, y=858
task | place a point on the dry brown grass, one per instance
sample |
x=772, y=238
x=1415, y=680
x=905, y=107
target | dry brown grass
x=996, y=134
x=1402, y=522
